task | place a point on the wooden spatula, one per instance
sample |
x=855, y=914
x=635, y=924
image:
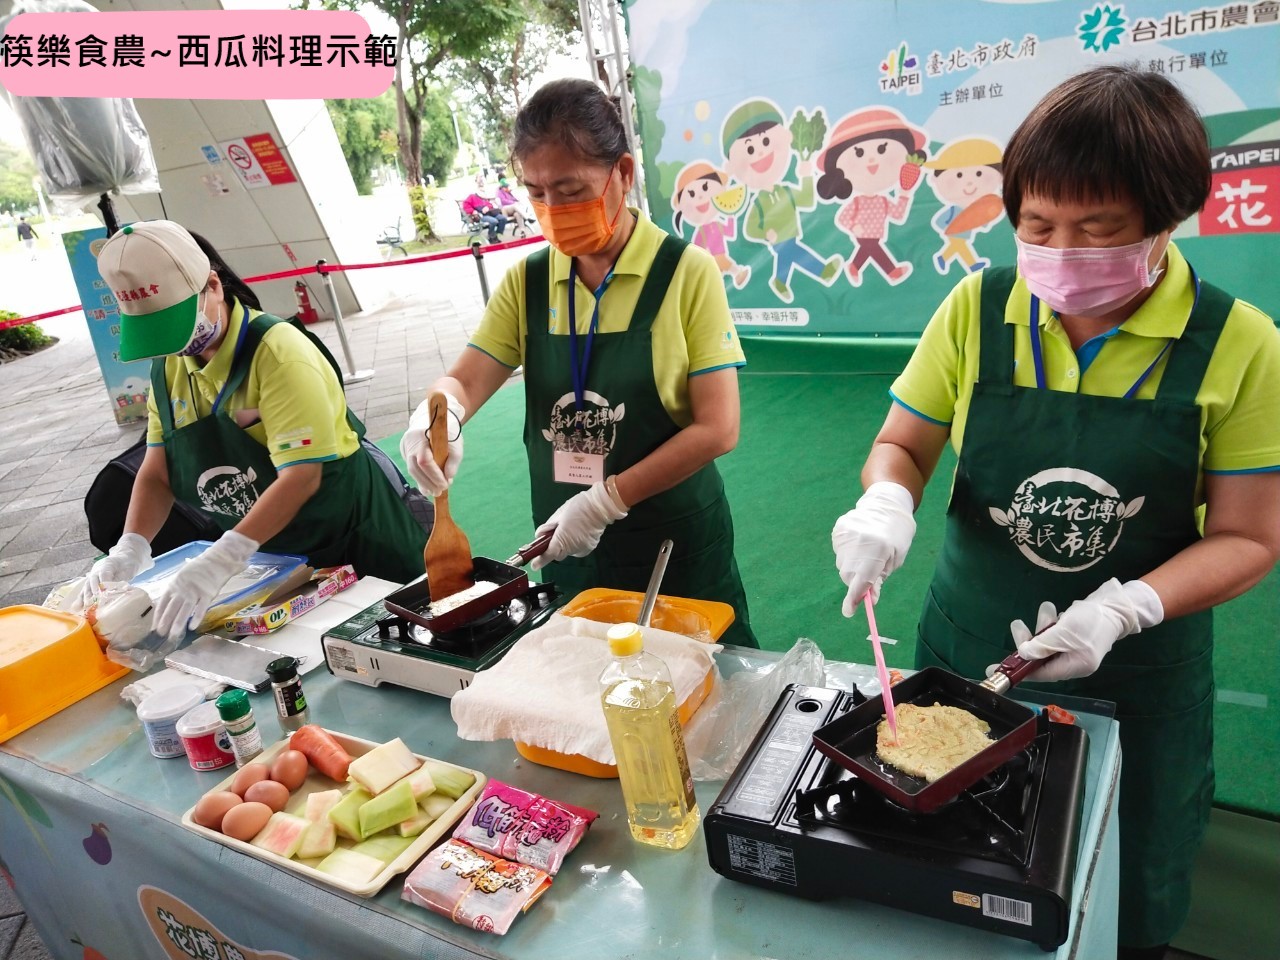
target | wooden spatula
x=448, y=553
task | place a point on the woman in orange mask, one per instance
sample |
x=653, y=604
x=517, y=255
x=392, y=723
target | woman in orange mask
x=630, y=369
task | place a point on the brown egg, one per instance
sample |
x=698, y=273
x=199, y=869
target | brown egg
x=212, y=807
x=248, y=775
x=290, y=769
x=245, y=821
x=274, y=795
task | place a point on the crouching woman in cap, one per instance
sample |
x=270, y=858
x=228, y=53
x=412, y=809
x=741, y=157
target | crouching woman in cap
x=248, y=422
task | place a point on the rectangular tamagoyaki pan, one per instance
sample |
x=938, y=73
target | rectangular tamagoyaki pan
x=413, y=601
x=850, y=740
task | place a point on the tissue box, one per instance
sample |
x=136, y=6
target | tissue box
x=274, y=612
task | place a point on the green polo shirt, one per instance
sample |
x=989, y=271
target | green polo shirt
x=1239, y=398
x=291, y=401
x=778, y=210
x=692, y=334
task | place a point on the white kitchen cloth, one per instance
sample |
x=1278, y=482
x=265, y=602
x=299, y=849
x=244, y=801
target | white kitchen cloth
x=546, y=691
x=164, y=679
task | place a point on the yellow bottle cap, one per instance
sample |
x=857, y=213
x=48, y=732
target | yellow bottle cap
x=625, y=640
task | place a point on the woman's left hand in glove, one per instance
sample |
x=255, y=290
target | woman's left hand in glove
x=578, y=524
x=192, y=590
x=1088, y=629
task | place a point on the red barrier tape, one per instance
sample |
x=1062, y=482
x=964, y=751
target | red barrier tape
x=322, y=269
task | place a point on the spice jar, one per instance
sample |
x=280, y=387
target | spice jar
x=237, y=715
x=291, y=703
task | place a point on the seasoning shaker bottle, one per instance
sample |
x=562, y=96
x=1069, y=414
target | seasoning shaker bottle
x=237, y=716
x=291, y=704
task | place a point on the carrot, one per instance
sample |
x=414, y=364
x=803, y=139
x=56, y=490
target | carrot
x=322, y=751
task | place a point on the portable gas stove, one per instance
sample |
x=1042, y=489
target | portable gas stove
x=1000, y=856
x=376, y=647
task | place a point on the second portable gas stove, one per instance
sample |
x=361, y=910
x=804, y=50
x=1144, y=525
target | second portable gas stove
x=377, y=646
x=1000, y=856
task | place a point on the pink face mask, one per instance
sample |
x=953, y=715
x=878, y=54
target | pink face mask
x=1086, y=281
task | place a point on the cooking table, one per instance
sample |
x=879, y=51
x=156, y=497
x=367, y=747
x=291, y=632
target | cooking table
x=90, y=833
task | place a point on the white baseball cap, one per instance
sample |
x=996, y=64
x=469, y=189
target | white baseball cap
x=156, y=270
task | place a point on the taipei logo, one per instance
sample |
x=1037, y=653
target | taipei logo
x=1102, y=28
x=900, y=70
x=1064, y=519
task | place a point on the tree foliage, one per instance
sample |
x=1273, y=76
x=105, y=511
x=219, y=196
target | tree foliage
x=502, y=73
x=439, y=144
x=367, y=132
x=428, y=34
x=16, y=172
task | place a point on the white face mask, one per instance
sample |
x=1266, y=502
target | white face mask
x=202, y=334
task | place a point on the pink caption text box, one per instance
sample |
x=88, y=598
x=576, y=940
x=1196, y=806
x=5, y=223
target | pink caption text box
x=163, y=77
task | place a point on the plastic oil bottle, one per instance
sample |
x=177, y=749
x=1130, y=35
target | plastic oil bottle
x=644, y=726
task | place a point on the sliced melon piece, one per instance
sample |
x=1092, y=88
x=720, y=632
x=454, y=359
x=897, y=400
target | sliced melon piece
x=351, y=867
x=732, y=200
x=383, y=765
x=282, y=835
x=387, y=809
x=346, y=815
x=415, y=824
x=436, y=805
x=319, y=804
x=421, y=782
x=319, y=840
x=385, y=848
x=449, y=780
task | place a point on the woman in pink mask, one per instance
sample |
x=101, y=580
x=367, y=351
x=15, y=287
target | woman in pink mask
x=630, y=365
x=1098, y=397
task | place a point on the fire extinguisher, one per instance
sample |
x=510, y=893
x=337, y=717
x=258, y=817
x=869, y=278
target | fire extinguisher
x=306, y=312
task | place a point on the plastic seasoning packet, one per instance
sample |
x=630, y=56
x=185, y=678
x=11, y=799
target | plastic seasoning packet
x=525, y=827
x=474, y=888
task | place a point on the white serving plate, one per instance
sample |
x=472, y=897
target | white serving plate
x=317, y=782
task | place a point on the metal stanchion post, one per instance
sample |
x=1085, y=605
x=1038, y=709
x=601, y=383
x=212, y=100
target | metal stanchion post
x=353, y=375
x=484, y=277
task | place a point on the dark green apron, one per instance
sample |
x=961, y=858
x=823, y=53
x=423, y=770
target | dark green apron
x=626, y=421
x=355, y=517
x=1054, y=494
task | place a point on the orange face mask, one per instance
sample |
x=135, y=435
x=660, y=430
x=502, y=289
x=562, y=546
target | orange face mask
x=578, y=229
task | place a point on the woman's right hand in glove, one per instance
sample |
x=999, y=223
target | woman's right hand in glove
x=872, y=539
x=129, y=557
x=415, y=447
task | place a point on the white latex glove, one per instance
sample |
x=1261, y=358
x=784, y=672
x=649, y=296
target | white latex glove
x=129, y=557
x=415, y=447
x=1086, y=632
x=579, y=524
x=872, y=540
x=192, y=590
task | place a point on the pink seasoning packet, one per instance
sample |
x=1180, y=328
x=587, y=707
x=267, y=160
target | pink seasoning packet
x=474, y=888
x=525, y=827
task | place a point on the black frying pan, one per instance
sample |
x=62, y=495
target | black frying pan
x=850, y=740
x=413, y=601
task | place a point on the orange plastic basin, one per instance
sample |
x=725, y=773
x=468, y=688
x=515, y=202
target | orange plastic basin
x=700, y=619
x=48, y=661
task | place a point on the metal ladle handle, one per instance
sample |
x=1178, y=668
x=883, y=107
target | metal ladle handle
x=655, y=581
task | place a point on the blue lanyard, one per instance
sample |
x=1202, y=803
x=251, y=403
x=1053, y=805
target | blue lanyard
x=580, y=368
x=1037, y=354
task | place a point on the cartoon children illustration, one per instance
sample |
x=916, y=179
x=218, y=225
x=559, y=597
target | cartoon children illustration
x=872, y=153
x=757, y=149
x=967, y=179
x=699, y=187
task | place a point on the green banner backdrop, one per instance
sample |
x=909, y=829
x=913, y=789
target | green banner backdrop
x=738, y=103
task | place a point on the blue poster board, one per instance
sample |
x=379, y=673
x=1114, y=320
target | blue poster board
x=126, y=383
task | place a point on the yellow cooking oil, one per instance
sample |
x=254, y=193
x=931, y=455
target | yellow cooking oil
x=640, y=710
